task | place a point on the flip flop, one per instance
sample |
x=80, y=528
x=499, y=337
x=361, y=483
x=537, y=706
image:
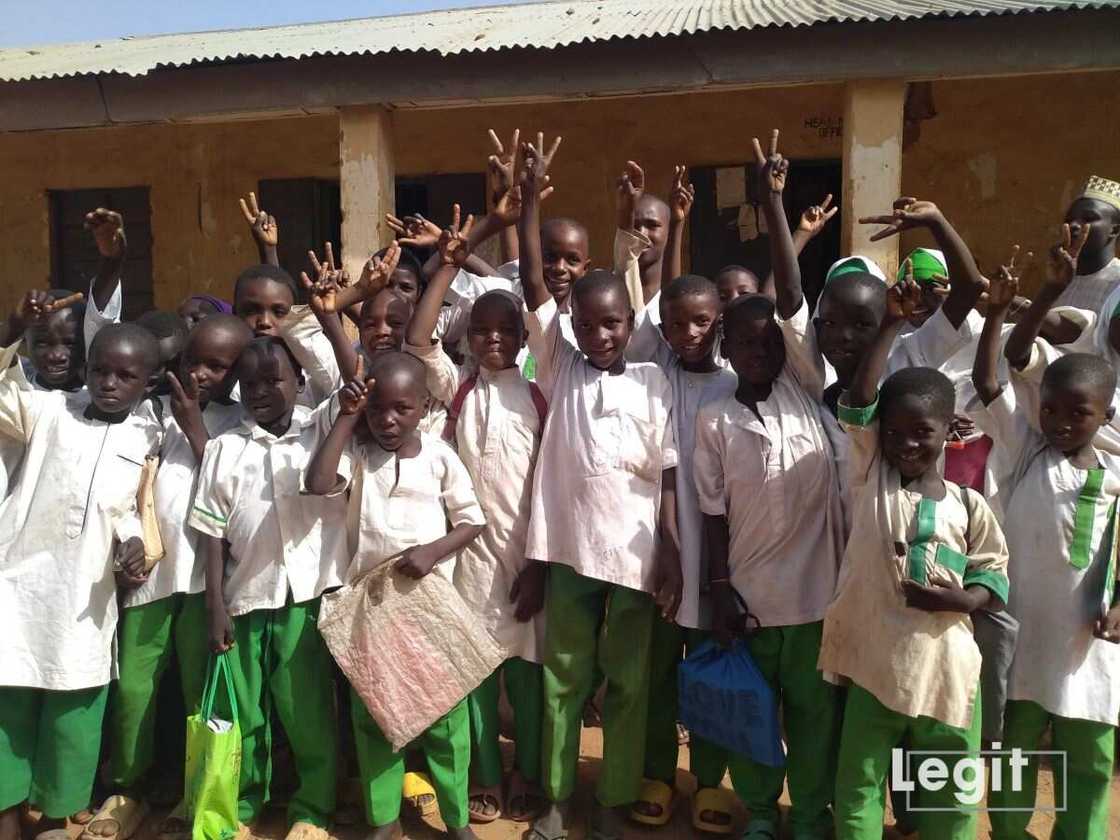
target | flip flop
x=713, y=801
x=82, y=817
x=126, y=812
x=518, y=789
x=416, y=787
x=659, y=795
x=478, y=798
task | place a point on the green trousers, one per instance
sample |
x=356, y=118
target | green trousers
x=280, y=658
x=870, y=732
x=146, y=637
x=1089, y=749
x=526, y=696
x=591, y=623
x=707, y=761
x=787, y=658
x=447, y=749
x=49, y=745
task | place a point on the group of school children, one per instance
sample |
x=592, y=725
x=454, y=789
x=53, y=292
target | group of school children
x=902, y=501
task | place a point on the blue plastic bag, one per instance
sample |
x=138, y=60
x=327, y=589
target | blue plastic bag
x=725, y=699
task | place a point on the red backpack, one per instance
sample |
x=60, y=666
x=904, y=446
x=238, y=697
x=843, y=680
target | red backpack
x=453, y=410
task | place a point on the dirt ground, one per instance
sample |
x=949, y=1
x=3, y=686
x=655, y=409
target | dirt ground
x=271, y=827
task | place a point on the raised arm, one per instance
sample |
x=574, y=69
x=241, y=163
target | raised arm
x=499, y=181
x=533, y=172
x=681, y=198
x=375, y=276
x=1001, y=294
x=902, y=298
x=452, y=252
x=263, y=227
x=328, y=283
x=188, y=412
x=322, y=471
x=34, y=306
x=813, y=221
x=772, y=172
x=1061, y=268
x=107, y=227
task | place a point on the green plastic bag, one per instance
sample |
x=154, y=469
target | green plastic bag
x=213, y=768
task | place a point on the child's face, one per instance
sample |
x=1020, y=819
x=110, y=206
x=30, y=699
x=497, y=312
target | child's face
x=930, y=303
x=406, y=284
x=912, y=435
x=1099, y=217
x=734, y=283
x=262, y=304
x=847, y=322
x=211, y=357
x=383, y=321
x=117, y=376
x=269, y=385
x=690, y=325
x=1071, y=414
x=564, y=252
x=755, y=348
x=193, y=310
x=57, y=350
x=396, y=405
x=496, y=334
x=651, y=219
x=602, y=321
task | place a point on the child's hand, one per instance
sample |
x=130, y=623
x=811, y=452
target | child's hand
x=1062, y=267
x=908, y=213
x=219, y=630
x=37, y=305
x=417, y=561
x=507, y=210
x=724, y=613
x=185, y=407
x=322, y=293
x=904, y=296
x=414, y=231
x=1108, y=628
x=500, y=165
x=682, y=195
x=668, y=584
x=814, y=219
x=1003, y=288
x=353, y=395
x=535, y=163
x=107, y=227
x=631, y=186
x=263, y=226
x=528, y=590
x=938, y=597
x=128, y=563
x=772, y=167
x=454, y=244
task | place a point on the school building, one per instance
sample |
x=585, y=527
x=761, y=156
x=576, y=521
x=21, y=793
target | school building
x=995, y=109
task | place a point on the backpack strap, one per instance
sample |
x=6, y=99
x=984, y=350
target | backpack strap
x=456, y=407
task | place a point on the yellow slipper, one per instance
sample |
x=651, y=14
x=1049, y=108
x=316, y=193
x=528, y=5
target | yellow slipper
x=418, y=792
x=658, y=795
x=713, y=801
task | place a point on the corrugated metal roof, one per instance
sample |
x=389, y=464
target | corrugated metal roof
x=540, y=25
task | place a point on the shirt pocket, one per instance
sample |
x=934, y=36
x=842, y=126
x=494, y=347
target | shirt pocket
x=639, y=446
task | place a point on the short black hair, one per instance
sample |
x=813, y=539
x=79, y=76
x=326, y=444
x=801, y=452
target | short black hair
x=1085, y=369
x=856, y=280
x=565, y=221
x=223, y=323
x=384, y=290
x=408, y=261
x=392, y=362
x=128, y=333
x=751, y=307
x=927, y=384
x=600, y=280
x=78, y=310
x=163, y=324
x=649, y=198
x=267, y=272
x=688, y=284
x=266, y=346
x=736, y=268
x=502, y=298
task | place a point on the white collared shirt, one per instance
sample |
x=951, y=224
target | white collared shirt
x=281, y=540
x=75, y=497
x=597, y=488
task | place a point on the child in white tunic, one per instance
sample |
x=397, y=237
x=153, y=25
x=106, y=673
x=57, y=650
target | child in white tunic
x=496, y=421
x=284, y=548
x=405, y=489
x=1061, y=500
x=68, y=524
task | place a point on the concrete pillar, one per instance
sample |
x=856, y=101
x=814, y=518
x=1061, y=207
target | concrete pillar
x=367, y=171
x=873, y=113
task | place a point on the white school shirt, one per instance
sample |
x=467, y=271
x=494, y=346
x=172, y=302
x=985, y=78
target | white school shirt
x=691, y=391
x=1090, y=291
x=76, y=497
x=397, y=503
x=597, y=487
x=775, y=480
x=183, y=566
x=497, y=436
x=281, y=540
x=1058, y=662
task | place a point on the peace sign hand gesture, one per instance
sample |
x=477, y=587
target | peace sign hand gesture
x=772, y=167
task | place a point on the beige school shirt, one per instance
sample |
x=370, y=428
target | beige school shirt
x=75, y=498
x=496, y=436
x=597, y=486
x=183, y=566
x=914, y=662
x=281, y=540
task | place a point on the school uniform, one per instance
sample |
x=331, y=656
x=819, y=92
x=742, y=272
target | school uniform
x=596, y=497
x=497, y=433
x=914, y=675
x=394, y=504
x=772, y=475
x=285, y=549
x=75, y=498
x=1090, y=291
x=1063, y=575
x=167, y=613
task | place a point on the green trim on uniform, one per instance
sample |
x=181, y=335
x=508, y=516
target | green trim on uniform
x=1084, y=517
x=213, y=516
x=923, y=533
x=861, y=416
x=994, y=582
x=952, y=560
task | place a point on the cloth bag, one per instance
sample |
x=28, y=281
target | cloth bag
x=213, y=766
x=146, y=507
x=725, y=699
x=411, y=649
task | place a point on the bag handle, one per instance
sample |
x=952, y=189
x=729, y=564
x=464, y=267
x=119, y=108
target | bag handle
x=218, y=665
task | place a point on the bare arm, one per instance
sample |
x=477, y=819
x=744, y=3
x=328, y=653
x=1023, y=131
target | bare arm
x=265, y=231
x=533, y=175
x=985, y=377
x=322, y=471
x=107, y=227
x=454, y=248
x=681, y=197
x=813, y=221
x=773, y=170
x=902, y=298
